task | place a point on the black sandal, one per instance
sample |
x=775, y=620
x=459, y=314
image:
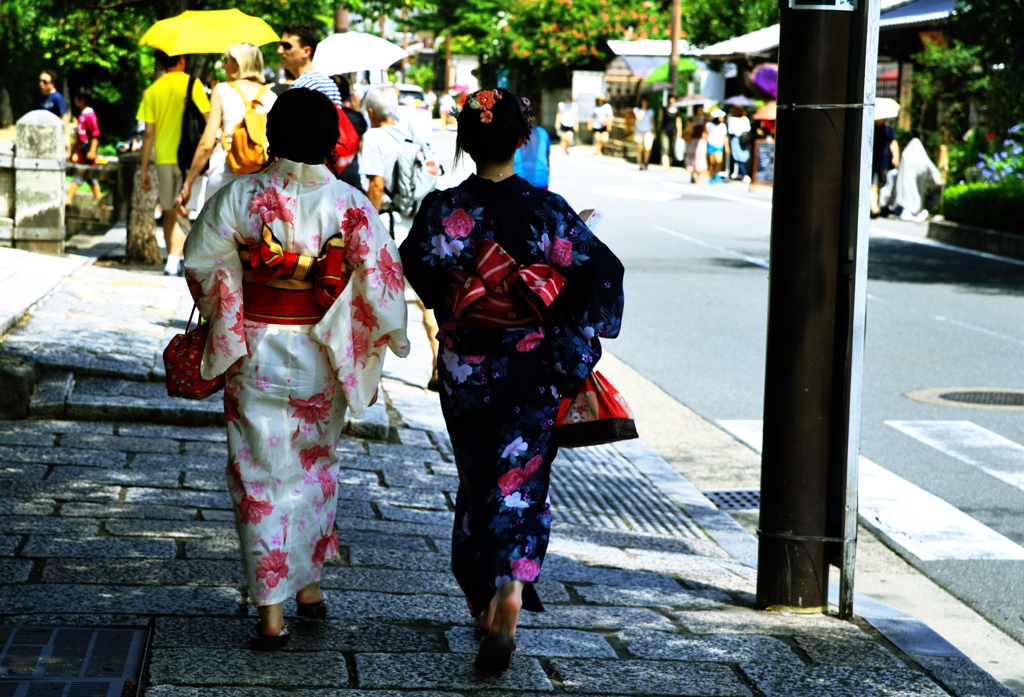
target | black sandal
x=312, y=611
x=258, y=641
x=495, y=653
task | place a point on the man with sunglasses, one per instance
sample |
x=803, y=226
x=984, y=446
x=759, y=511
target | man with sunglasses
x=298, y=44
x=52, y=100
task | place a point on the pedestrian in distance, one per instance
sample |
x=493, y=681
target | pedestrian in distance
x=87, y=144
x=601, y=123
x=668, y=127
x=162, y=108
x=244, y=87
x=568, y=122
x=643, y=131
x=884, y=157
x=350, y=175
x=52, y=100
x=296, y=49
x=738, y=146
x=533, y=160
x=716, y=131
x=695, y=131
x=510, y=350
x=445, y=106
x=303, y=292
x=381, y=143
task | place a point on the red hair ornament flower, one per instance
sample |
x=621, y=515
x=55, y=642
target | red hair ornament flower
x=484, y=100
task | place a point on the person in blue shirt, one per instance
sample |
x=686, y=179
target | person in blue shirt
x=52, y=100
x=533, y=160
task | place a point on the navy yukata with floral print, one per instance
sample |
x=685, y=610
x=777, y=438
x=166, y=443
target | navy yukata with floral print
x=522, y=290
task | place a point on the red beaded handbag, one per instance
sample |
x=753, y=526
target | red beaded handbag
x=182, y=358
x=597, y=414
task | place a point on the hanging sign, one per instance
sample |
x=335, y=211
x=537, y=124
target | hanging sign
x=842, y=5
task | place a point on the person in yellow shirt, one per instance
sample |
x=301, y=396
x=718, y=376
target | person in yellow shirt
x=162, y=108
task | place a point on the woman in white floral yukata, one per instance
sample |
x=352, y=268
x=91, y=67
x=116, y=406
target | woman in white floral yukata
x=303, y=289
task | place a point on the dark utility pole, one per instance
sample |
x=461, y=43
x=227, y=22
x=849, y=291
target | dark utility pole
x=827, y=65
x=673, y=61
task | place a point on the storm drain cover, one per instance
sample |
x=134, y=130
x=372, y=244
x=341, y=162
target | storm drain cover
x=999, y=398
x=71, y=661
x=735, y=500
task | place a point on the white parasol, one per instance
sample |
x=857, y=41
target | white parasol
x=353, y=51
x=886, y=108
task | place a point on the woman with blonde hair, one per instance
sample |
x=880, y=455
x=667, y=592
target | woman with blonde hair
x=243, y=64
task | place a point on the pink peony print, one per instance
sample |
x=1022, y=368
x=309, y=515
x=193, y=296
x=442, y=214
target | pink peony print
x=231, y=412
x=252, y=511
x=328, y=482
x=326, y=546
x=561, y=252
x=525, y=569
x=533, y=465
x=271, y=206
x=390, y=272
x=459, y=223
x=356, y=251
x=310, y=456
x=363, y=313
x=360, y=346
x=273, y=566
x=530, y=341
x=512, y=480
x=355, y=219
x=317, y=408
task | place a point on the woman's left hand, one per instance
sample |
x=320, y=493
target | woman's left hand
x=373, y=401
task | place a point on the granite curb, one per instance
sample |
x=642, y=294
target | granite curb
x=999, y=242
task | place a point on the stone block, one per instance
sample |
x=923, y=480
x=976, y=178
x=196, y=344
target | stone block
x=355, y=509
x=415, y=438
x=325, y=635
x=420, y=671
x=204, y=480
x=178, y=497
x=398, y=559
x=148, y=390
x=121, y=443
x=963, y=678
x=64, y=456
x=190, y=666
x=786, y=681
x=359, y=607
x=570, y=571
x=591, y=676
x=218, y=516
x=9, y=543
x=564, y=643
x=168, y=410
x=144, y=572
x=181, y=463
x=407, y=453
x=52, y=391
x=360, y=461
x=101, y=547
x=854, y=654
x=741, y=621
x=210, y=434
x=22, y=473
x=45, y=619
x=64, y=491
x=351, y=477
x=48, y=525
x=431, y=500
x=414, y=515
x=717, y=648
x=387, y=581
x=375, y=424
x=42, y=440
x=57, y=426
x=123, y=477
x=394, y=527
x=56, y=599
x=653, y=597
x=405, y=477
x=110, y=387
x=213, y=548
x=178, y=530
x=15, y=570
x=647, y=541
x=41, y=507
x=207, y=449
x=595, y=618
x=353, y=538
x=127, y=510
x=177, y=691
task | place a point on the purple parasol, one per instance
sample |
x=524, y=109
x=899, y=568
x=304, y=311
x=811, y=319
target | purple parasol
x=766, y=76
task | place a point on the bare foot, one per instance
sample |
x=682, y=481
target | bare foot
x=310, y=595
x=503, y=614
x=271, y=619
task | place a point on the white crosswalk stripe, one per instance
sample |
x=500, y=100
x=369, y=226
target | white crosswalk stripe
x=970, y=443
x=923, y=524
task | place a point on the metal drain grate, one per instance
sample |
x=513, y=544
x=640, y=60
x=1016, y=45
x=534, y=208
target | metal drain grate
x=999, y=398
x=597, y=486
x=735, y=500
x=71, y=661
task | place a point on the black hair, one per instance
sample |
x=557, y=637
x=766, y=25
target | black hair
x=166, y=61
x=302, y=126
x=307, y=33
x=343, y=87
x=50, y=73
x=490, y=133
x=84, y=93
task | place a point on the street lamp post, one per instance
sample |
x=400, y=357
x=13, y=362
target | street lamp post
x=673, y=61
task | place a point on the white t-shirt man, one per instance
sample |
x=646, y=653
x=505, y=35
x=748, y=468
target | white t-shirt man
x=379, y=154
x=603, y=116
x=568, y=114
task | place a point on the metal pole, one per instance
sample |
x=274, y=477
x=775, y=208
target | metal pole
x=673, y=61
x=812, y=119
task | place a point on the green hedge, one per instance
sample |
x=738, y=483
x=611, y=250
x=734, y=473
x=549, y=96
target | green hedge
x=994, y=206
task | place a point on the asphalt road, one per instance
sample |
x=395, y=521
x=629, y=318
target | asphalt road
x=949, y=482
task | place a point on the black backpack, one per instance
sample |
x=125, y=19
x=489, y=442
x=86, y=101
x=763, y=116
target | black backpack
x=192, y=126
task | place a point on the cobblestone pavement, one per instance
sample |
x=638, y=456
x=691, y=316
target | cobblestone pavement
x=125, y=520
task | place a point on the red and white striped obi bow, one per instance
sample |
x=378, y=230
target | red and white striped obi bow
x=492, y=294
x=325, y=273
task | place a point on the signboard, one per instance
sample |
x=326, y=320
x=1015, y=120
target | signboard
x=842, y=5
x=764, y=162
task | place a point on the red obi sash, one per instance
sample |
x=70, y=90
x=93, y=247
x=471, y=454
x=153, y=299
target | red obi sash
x=493, y=296
x=281, y=287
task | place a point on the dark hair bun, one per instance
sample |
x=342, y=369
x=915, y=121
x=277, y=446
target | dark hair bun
x=491, y=124
x=302, y=126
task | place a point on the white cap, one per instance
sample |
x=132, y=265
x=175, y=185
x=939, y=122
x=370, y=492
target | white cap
x=717, y=114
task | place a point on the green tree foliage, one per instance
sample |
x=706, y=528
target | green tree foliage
x=708, y=21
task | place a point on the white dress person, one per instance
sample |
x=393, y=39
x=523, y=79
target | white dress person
x=298, y=344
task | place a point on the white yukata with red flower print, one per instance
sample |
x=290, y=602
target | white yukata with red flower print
x=288, y=386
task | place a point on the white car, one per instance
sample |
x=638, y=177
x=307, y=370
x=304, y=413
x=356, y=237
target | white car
x=414, y=116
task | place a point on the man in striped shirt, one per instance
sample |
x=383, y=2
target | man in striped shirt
x=298, y=44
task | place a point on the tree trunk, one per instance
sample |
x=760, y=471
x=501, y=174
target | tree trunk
x=341, y=18
x=141, y=246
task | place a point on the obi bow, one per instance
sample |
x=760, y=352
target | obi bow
x=326, y=273
x=499, y=279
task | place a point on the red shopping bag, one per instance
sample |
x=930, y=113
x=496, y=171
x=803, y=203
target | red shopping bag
x=182, y=358
x=597, y=414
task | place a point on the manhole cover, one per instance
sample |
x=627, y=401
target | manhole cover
x=71, y=661
x=980, y=397
x=735, y=500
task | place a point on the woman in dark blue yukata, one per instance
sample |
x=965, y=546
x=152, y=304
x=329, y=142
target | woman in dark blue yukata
x=522, y=290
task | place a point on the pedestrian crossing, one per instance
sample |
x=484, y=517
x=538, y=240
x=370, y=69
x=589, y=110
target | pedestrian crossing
x=923, y=524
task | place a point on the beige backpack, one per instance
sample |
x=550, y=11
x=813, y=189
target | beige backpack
x=247, y=150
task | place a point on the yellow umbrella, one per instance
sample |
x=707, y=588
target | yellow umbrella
x=196, y=31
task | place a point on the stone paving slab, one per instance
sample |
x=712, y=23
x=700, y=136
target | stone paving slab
x=180, y=463
x=415, y=515
x=857, y=654
x=8, y=544
x=178, y=497
x=73, y=509
x=405, y=452
x=144, y=572
x=48, y=525
x=71, y=620
x=127, y=527
x=786, y=681
x=177, y=691
x=106, y=475
x=719, y=648
x=588, y=676
x=354, y=538
x=64, y=491
x=963, y=677
x=39, y=506
x=15, y=570
x=213, y=548
x=420, y=671
x=131, y=444
x=563, y=643
x=595, y=617
x=569, y=571
x=43, y=440
x=52, y=599
x=100, y=547
x=653, y=597
x=64, y=456
x=385, y=581
x=213, y=434
x=328, y=635
x=432, y=500
x=391, y=527
x=57, y=426
x=648, y=541
x=360, y=606
x=774, y=623
x=206, y=449
x=22, y=473
x=240, y=668
x=397, y=559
